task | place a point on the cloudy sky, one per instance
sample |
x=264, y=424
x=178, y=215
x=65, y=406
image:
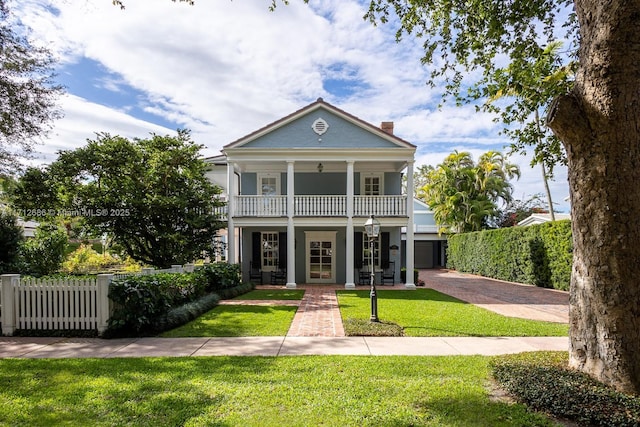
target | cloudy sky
x=226, y=68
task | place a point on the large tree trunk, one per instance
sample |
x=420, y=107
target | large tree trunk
x=599, y=123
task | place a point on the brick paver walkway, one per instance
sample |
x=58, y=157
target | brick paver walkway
x=318, y=314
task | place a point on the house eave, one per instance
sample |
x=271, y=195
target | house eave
x=396, y=159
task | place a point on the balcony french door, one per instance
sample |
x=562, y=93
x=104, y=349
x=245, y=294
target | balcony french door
x=320, y=256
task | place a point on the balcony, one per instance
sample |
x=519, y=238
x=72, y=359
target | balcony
x=320, y=206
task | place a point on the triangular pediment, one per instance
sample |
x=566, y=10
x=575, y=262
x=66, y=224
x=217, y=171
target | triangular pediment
x=317, y=126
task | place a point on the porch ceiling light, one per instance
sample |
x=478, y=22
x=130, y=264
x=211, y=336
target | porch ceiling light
x=372, y=227
x=320, y=167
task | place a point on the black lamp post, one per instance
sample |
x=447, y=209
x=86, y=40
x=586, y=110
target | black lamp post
x=372, y=228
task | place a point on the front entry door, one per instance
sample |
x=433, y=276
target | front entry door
x=320, y=255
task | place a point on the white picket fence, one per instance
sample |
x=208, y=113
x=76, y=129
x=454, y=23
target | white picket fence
x=54, y=304
x=60, y=304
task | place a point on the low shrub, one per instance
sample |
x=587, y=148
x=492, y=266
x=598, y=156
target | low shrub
x=185, y=313
x=543, y=382
x=403, y=275
x=44, y=254
x=220, y=275
x=86, y=260
x=139, y=301
x=10, y=240
x=241, y=289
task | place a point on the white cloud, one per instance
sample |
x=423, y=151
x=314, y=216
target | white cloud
x=226, y=68
x=83, y=120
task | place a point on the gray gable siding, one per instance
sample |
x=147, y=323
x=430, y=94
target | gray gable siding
x=422, y=214
x=320, y=183
x=249, y=183
x=392, y=183
x=340, y=134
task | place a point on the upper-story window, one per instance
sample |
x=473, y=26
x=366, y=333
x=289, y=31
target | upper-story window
x=372, y=184
x=269, y=184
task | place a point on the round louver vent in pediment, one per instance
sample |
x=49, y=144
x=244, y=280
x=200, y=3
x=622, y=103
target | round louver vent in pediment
x=320, y=126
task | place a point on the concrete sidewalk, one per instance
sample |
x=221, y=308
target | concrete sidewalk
x=55, y=348
x=317, y=328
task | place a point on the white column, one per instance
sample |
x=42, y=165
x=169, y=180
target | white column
x=9, y=281
x=231, y=234
x=350, y=284
x=291, y=229
x=410, y=227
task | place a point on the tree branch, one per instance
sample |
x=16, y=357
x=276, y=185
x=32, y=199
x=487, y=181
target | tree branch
x=568, y=120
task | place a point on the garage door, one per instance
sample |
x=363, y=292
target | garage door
x=424, y=254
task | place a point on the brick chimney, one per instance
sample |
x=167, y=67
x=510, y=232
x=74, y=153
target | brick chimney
x=387, y=127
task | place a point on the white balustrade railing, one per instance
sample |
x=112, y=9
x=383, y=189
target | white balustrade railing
x=320, y=206
x=380, y=205
x=260, y=206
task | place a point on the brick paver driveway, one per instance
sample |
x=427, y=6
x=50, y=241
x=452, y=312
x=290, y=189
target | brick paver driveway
x=508, y=299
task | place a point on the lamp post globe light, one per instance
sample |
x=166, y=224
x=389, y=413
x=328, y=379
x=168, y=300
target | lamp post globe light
x=372, y=229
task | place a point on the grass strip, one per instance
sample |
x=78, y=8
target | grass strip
x=428, y=313
x=238, y=321
x=272, y=294
x=255, y=391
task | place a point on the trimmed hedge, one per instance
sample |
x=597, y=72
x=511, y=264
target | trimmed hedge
x=540, y=254
x=220, y=275
x=144, y=303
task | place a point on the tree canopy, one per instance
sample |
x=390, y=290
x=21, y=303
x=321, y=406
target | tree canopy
x=11, y=238
x=465, y=195
x=28, y=94
x=598, y=122
x=151, y=195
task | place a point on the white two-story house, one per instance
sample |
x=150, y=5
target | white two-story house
x=300, y=190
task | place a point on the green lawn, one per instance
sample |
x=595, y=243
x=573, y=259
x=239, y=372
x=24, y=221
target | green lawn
x=244, y=320
x=238, y=321
x=428, y=313
x=254, y=391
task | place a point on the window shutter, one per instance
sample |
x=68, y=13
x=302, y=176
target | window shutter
x=384, y=249
x=357, y=247
x=256, y=249
x=282, y=250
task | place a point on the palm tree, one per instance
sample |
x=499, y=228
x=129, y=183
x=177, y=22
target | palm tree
x=463, y=195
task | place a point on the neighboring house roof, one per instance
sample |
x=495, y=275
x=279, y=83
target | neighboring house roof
x=220, y=160
x=542, y=218
x=28, y=227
